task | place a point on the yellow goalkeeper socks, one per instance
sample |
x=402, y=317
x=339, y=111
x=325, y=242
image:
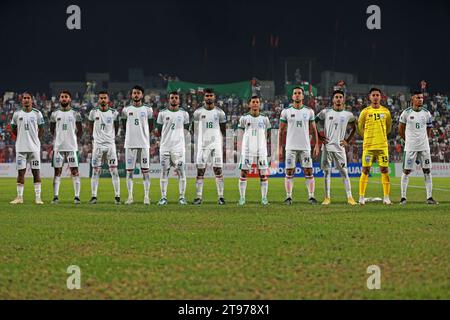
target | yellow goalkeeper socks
x=386, y=184
x=363, y=180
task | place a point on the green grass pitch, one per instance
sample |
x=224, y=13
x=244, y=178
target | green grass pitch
x=212, y=252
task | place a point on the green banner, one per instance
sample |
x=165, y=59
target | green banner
x=105, y=171
x=241, y=89
x=306, y=88
x=375, y=171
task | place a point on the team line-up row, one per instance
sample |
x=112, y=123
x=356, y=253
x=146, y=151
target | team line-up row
x=298, y=123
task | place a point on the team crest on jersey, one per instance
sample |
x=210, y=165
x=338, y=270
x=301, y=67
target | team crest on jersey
x=261, y=124
x=305, y=116
x=216, y=117
x=368, y=158
x=70, y=119
x=32, y=120
x=142, y=114
x=342, y=119
x=382, y=115
x=108, y=120
x=179, y=118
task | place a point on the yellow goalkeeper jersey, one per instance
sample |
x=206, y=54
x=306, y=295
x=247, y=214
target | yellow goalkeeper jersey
x=374, y=124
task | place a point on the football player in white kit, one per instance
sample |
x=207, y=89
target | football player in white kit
x=103, y=127
x=209, y=125
x=335, y=121
x=28, y=126
x=65, y=126
x=298, y=121
x=171, y=123
x=137, y=122
x=415, y=127
x=256, y=128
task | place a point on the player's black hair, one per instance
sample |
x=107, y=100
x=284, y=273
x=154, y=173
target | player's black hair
x=374, y=89
x=174, y=93
x=209, y=90
x=298, y=87
x=254, y=97
x=103, y=92
x=337, y=91
x=28, y=93
x=413, y=93
x=138, y=88
x=65, y=92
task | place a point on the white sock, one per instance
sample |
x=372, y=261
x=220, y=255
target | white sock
x=146, y=177
x=20, y=188
x=56, y=183
x=182, y=186
x=94, y=181
x=163, y=183
x=242, y=186
x=37, y=190
x=264, y=188
x=347, y=184
x=199, y=187
x=220, y=185
x=115, y=181
x=310, y=185
x=76, y=185
x=428, y=184
x=404, y=184
x=288, y=185
x=130, y=184
x=327, y=180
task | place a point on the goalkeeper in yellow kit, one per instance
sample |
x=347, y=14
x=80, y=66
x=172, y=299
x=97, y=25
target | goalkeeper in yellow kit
x=374, y=125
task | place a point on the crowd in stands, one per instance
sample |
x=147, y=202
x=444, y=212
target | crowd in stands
x=234, y=107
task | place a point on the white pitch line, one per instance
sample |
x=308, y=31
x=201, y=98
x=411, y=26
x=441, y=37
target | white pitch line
x=417, y=187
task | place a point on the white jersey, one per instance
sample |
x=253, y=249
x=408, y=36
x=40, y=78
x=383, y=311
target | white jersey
x=254, y=142
x=104, y=133
x=137, y=134
x=207, y=128
x=65, y=130
x=335, y=127
x=27, y=124
x=417, y=122
x=297, y=121
x=172, y=133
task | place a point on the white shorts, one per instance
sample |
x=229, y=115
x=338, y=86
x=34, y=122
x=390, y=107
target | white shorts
x=328, y=157
x=108, y=152
x=172, y=159
x=302, y=156
x=59, y=157
x=137, y=155
x=247, y=162
x=33, y=158
x=410, y=158
x=209, y=156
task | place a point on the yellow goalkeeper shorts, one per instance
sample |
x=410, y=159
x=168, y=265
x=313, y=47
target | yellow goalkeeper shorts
x=382, y=157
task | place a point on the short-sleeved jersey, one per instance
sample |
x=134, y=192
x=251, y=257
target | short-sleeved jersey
x=254, y=142
x=207, y=127
x=335, y=127
x=172, y=132
x=27, y=124
x=65, y=130
x=104, y=133
x=137, y=134
x=417, y=122
x=374, y=124
x=297, y=121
